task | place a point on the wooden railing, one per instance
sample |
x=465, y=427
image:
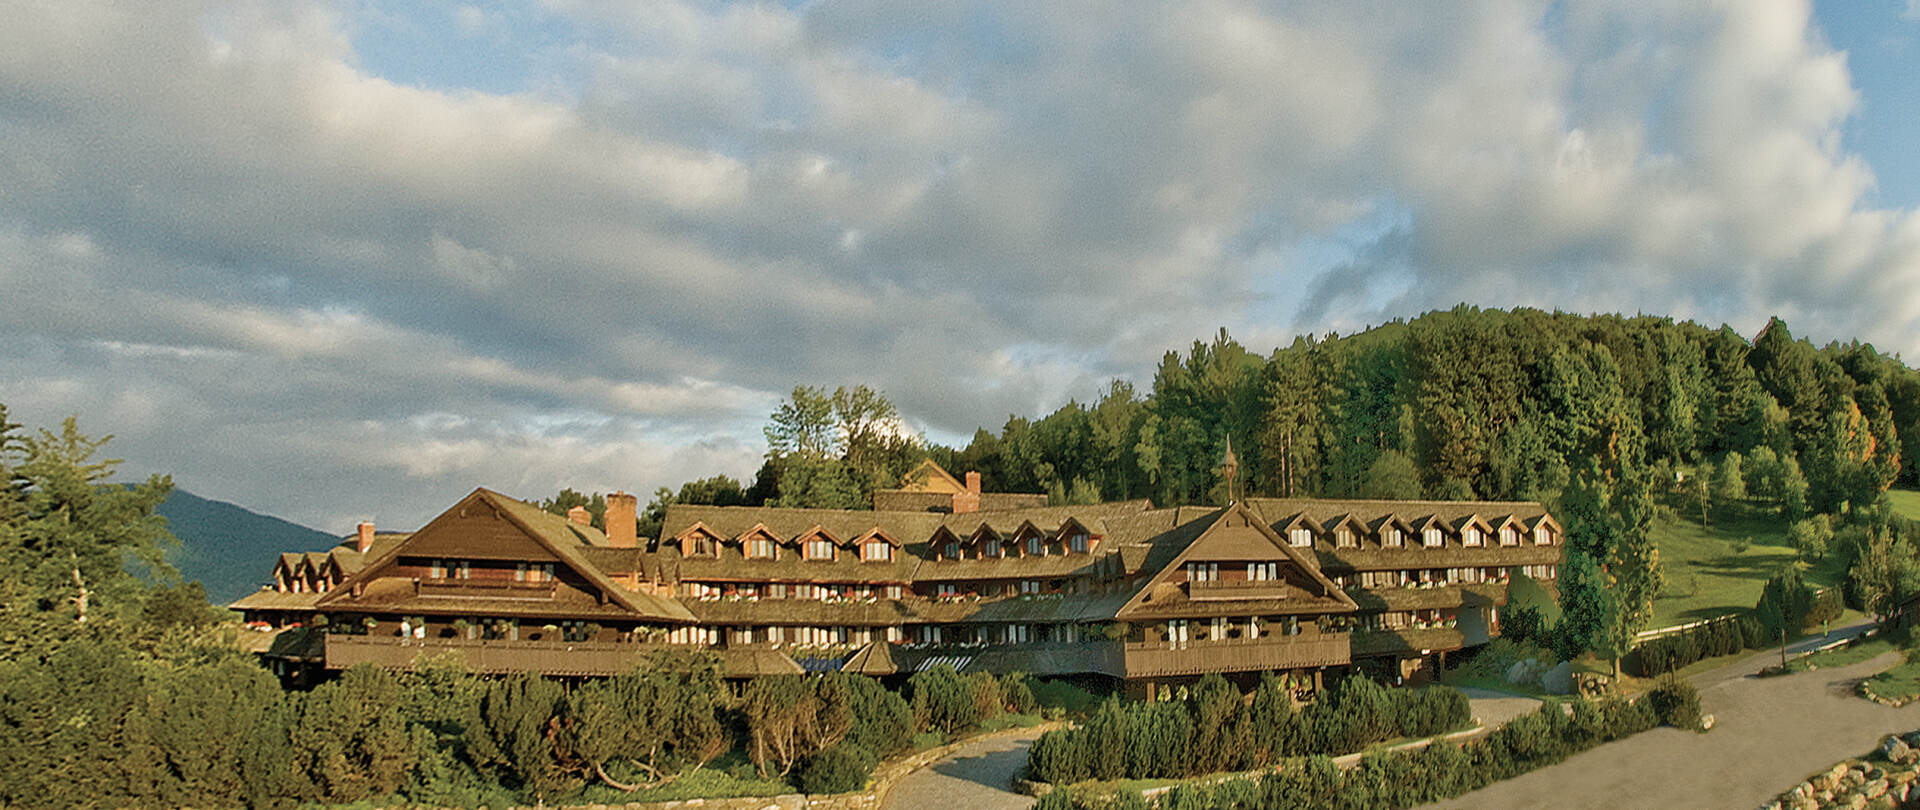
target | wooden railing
x=488, y=589
x=490, y=655
x=1236, y=589
x=1151, y=658
x=1411, y=640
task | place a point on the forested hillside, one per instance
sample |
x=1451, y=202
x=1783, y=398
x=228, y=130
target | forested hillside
x=1473, y=403
x=231, y=550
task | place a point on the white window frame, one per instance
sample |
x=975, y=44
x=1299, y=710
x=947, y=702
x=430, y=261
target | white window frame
x=1432, y=537
x=1300, y=537
x=876, y=551
x=1470, y=536
x=1343, y=537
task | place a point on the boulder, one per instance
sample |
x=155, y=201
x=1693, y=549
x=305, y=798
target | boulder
x=1875, y=789
x=1558, y=679
x=1893, y=748
x=1857, y=802
x=1523, y=671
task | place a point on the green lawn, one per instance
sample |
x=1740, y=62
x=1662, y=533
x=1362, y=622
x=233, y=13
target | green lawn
x=1708, y=576
x=1906, y=503
x=1900, y=683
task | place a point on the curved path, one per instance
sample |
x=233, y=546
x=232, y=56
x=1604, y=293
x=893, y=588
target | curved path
x=1770, y=734
x=978, y=775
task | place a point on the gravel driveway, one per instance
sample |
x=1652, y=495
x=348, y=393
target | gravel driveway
x=1770, y=734
x=979, y=776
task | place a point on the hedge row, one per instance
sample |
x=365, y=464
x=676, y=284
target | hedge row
x=1785, y=602
x=1400, y=779
x=1214, y=730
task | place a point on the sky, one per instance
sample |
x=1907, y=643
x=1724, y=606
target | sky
x=349, y=260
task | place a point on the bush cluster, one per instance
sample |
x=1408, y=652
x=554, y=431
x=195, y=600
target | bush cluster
x=1400, y=779
x=1214, y=730
x=1723, y=637
x=1675, y=702
x=94, y=724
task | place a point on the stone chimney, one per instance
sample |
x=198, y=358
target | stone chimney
x=580, y=515
x=968, y=501
x=364, y=540
x=623, y=512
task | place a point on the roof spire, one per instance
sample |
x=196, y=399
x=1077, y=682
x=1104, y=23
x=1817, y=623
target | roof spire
x=1229, y=470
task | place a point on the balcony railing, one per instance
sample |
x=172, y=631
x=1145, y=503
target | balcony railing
x=1211, y=590
x=1153, y=658
x=1410, y=640
x=486, y=589
x=490, y=655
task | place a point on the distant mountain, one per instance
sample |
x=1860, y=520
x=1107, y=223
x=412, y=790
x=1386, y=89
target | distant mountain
x=230, y=549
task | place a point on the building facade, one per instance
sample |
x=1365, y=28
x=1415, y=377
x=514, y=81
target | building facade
x=1149, y=597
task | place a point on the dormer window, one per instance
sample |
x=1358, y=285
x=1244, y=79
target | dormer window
x=1036, y=546
x=760, y=548
x=876, y=551
x=951, y=550
x=1343, y=537
x=1542, y=535
x=1263, y=572
x=1470, y=536
x=1077, y=542
x=1300, y=537
x=990, y=548
x=1203, y=572
x=1393, y=538
x=819, y=548
x=1509, y=536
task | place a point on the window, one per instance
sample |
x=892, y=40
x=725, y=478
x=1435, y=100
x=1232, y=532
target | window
x=1431, y=538
x=1509, y=536
x=946, y=589
x=1300, y=537
x=1392, y=537
x=951, y=550
x=819, y=548
x=1036, y=546
x=893, y=592
x=1542, y=535
x=1203, y=572
x=876, y=551
x=989, y=548
x=1263, y=572
x=760, y=548
x=1030, y=587
x=1343, y=537
x=438, y=570
x=1077, y=542
x=1470, y=536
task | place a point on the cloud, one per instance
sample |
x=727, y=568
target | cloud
x=377, y=295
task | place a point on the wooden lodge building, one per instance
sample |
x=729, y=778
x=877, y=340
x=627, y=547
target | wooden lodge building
x=940, y=573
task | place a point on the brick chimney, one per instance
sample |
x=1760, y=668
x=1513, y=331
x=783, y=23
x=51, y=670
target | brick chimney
x=968, y=501
x=580, y=515
x=364, y=540
x=623, y=512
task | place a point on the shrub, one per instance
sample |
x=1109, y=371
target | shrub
x=1827, y=606
x=882, y=721
x=840, y=769
x=1675, y=703
x=1017, y=694
x=1784, y=603
x=1525, y=623
x=1060, y=757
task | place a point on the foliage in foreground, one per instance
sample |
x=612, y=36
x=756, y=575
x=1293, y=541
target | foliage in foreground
x=1214, y=730
x=1399, y=779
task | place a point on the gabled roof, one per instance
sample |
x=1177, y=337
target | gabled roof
x=873, y=659
x=556, y=534
x=1237, y=530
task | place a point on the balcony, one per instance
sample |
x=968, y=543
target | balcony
x=1407, y=641
x=490, y=655
x=1157, y=658
x=1220, y=590
x=487, y=589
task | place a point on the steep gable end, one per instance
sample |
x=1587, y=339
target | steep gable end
x=1236, y=537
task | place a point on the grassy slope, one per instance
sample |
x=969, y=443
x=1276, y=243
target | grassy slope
x=1706, y=575
x=1906, y=503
